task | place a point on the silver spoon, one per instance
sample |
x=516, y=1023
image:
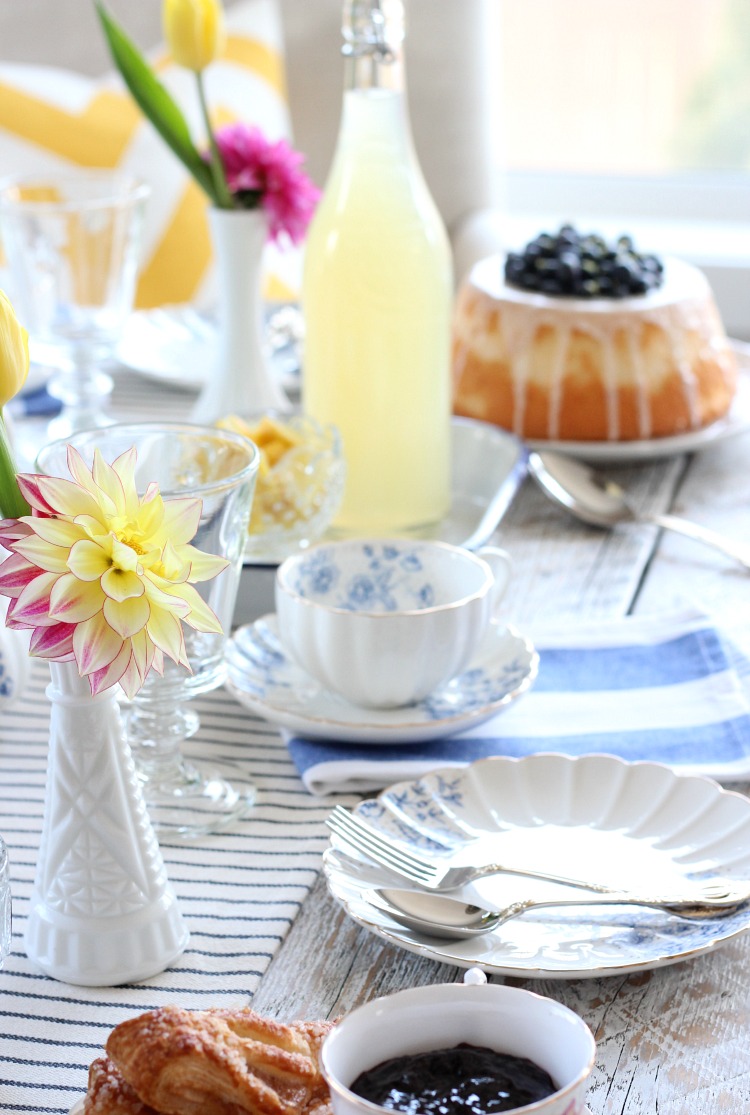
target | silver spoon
x=434, y=915
x=603, y=503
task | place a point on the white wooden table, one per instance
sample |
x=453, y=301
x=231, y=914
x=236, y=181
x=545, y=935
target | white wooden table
x=673, y=1041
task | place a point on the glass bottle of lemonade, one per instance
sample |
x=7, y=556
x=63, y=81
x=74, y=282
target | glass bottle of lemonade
x=377, y=296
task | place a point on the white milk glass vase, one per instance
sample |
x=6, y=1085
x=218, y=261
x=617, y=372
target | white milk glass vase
x=102, y=911
x=243, y=380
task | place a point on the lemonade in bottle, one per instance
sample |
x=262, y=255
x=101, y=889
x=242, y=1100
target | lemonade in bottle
x=377, y=297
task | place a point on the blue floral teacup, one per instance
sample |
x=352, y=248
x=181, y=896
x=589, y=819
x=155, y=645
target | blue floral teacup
x=384, y=622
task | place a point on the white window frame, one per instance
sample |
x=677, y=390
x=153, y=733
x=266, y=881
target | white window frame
x=704, y=218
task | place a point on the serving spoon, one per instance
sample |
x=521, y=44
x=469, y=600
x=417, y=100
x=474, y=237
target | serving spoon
x=602, y=503
x=435, y=915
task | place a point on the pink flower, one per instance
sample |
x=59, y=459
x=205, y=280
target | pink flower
x=263, y=173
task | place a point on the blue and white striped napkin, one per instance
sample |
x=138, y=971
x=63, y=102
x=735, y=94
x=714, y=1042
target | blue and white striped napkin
x=671, y=688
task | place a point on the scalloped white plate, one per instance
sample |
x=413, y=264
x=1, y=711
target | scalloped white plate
x=176, y=345
x=596, y=817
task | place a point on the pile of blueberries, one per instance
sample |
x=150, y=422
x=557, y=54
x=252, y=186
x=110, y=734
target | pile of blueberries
x=583, y=266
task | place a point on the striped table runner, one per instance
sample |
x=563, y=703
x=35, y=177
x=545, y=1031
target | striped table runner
x=239, y=891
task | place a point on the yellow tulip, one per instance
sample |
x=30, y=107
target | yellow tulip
x=14, y=352
x=194, y=30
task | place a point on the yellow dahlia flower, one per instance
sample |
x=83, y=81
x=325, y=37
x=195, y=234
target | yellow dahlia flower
x=105, y=576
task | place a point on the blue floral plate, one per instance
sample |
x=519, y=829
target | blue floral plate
x=262, y=677
x=629, y=825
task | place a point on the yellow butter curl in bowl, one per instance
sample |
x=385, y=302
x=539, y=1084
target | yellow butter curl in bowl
x=300, y=481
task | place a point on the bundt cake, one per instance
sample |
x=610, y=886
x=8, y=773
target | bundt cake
x=577, y=340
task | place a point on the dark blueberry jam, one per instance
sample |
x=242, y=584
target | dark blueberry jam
x=463, y=1080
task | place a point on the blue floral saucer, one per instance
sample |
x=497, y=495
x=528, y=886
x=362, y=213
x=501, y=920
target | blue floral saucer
x=262, y=677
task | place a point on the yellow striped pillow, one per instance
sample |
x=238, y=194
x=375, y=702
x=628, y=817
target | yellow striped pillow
x=52, y=119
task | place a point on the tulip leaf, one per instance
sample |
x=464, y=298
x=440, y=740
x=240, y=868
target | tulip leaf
x=154, y=101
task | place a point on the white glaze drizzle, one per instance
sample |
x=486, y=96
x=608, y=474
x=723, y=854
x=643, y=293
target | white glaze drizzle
x=610, y=393
x=641, y=382
x=562, y=338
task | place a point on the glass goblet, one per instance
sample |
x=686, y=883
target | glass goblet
x=185, y=798
x=72, y=246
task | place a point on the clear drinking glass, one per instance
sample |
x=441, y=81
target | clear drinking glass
x=72, y=247
x=184, y=798
x=4, y=903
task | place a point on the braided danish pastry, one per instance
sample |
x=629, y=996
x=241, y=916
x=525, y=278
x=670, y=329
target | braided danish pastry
x=173, y=1061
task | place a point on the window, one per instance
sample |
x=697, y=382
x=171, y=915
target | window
x=633, y=115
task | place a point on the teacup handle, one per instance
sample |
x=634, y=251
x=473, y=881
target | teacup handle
x=500, y=563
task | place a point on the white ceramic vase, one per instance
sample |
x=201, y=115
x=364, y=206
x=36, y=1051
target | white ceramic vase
x=242, y=381
x=102, y=910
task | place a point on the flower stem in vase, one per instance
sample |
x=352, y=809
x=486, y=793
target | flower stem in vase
x=243, y=381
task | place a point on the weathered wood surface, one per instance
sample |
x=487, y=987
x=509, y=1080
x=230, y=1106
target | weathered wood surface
x=673, y=1041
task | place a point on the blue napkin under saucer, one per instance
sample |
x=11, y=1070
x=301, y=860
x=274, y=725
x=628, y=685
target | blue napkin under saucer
x=35, y=403
x=670, y=688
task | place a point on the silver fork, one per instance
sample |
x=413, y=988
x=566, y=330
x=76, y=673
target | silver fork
x=436, y=877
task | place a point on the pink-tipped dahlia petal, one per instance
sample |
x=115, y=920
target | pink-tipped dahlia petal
x=13, y=529
x=62, y=497
x=126, y=617
x=95, y=644
x=110, y=675
x=132, y=679
x=31, y=606
x=15, y=573
x=54, y=643
x=73, y=601
x=30, y=489
x=50, y=558
x=56, y=531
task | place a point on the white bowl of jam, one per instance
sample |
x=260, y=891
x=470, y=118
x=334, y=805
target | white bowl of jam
x=459, y=1049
